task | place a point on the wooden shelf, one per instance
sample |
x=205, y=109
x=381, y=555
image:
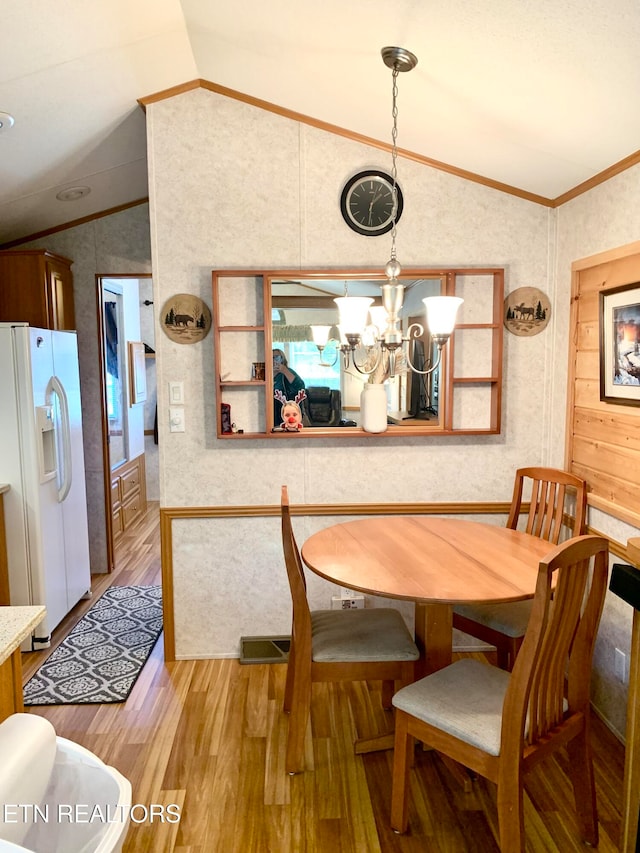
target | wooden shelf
x=241, y=328
x=475, y=380
x=246, y=295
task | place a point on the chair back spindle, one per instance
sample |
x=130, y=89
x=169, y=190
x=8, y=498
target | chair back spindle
x=548, y=502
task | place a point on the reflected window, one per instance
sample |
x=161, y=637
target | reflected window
x=304, y=358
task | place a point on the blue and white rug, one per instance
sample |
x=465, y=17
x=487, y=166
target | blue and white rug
x=103, y=655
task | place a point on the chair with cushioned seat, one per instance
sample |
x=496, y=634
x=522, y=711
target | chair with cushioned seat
x=504, y=625
x=323, y=406
x=336, y=645
x=500, y=724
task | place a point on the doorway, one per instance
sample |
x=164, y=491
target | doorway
x=128, y=402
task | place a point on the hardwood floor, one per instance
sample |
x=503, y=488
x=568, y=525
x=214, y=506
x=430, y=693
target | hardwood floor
x=137, y=562
x=209, y=736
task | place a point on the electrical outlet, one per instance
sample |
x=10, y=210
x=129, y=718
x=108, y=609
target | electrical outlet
x=621, y=666
x=356, y=602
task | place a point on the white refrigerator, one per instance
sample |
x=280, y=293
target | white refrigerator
x=42, y=460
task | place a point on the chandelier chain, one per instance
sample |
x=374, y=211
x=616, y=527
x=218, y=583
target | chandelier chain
x=393, y=340
x=394, y=159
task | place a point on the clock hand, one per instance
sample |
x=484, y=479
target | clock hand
x=370, y=210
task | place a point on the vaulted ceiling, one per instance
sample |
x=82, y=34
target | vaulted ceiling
x=534, y=94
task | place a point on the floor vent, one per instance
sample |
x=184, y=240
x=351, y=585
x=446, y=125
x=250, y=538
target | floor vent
x=264, y=649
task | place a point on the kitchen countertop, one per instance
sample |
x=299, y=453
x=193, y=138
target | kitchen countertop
x=16, y=623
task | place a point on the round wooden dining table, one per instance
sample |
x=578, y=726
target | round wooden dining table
x=436, y=562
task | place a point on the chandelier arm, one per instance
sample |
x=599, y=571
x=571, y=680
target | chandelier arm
x=350, y=351
x=429, y=370
x=321, y=350
x=415, y=330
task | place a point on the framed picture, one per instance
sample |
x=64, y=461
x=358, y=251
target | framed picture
x=137, y=372
x=620, y=345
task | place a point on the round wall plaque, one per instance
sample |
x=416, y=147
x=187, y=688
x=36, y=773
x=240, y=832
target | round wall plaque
x=526, y=311
x=185, y=318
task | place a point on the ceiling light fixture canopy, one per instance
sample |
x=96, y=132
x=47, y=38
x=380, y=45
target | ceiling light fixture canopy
x=441, y=311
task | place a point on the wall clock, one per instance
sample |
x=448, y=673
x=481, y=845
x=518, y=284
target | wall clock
x=366, y=203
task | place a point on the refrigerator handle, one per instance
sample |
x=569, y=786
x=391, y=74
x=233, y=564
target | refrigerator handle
x=58, y=388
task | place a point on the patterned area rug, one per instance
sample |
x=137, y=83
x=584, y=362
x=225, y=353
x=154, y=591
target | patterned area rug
x=103, y=655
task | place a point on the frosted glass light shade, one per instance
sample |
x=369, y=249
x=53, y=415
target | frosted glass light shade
x=320, y=335
x=441, y=313
x=379, y=318
x=353, y=313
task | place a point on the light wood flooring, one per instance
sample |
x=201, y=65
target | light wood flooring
x=209, y=736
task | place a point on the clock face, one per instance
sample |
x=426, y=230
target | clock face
x=367, y=203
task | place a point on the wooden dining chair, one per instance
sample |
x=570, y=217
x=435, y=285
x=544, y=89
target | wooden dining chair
x=336, y=645
x=500, y=724
x=504, y=625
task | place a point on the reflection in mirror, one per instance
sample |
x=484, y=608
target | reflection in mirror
x=115, y=372
x=305, y=329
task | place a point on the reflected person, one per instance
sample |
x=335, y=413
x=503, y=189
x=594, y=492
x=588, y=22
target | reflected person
x=286, y=380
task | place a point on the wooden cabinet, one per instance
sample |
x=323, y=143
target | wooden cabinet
x=5, y=597
x=16, y=623
x=128, y=495
x=36, y=287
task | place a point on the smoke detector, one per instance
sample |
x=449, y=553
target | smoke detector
x=6, y=121
x=73, y=193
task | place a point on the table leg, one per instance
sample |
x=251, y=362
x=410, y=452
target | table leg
x=434, y=637
x=434, y=631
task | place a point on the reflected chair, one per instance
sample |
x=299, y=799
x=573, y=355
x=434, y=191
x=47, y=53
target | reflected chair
x=323, y=406
x=336, y=645
x=500, y=724
x=504, y=625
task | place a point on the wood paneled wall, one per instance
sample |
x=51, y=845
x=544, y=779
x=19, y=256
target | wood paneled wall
x=603, y=439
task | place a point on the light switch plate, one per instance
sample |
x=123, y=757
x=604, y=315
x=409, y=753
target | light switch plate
x=176, y=419
x=176, y=393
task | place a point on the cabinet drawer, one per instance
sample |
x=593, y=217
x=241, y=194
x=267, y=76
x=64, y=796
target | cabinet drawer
x=117, y=523
x=115, y=492
x=130, y=511
x=129, y=482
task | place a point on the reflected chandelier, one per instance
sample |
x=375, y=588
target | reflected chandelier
x=384, y=333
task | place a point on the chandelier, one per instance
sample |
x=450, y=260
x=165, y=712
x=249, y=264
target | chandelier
x=383, y=336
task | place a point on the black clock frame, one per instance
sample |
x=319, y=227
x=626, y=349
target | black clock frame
x=369, y=174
